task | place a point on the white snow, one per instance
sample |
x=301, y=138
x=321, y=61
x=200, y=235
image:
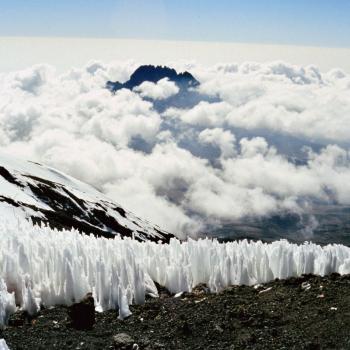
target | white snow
x=7, y=304
x=22, y=168
x=24, y=171
x=3, y=345
x=14, y=192
x=44, y=172
x=44, y=266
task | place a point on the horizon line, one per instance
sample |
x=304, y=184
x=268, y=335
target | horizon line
x=249, y=43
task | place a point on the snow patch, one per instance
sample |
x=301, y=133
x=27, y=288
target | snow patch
x=3, y=345
x=7, y=304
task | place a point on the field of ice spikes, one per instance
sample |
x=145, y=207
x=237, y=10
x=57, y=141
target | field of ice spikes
x=40, y=266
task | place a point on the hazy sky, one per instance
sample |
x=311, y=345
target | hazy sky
x=64, y=53
x=297, y=22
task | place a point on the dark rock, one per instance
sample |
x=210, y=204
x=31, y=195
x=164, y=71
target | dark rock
x=18, y=319
x=153, y=74
x=162, y=291
x=312, y=346
x=334, y=276
x=201, y=289
x=157, y=346
x=82, y=314
x=186, y=328
x=8, y=176
x=123, y=341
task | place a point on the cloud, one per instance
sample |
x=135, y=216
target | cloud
x=204, y=114
x=157, y=91
x=185, y=169
x=221, y=138
x=31, y=80
x=282, y=98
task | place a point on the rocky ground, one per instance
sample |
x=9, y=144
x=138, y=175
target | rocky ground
x=299, y=313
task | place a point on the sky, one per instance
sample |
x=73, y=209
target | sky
x=290, y=22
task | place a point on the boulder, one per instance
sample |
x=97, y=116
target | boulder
x=82, y=314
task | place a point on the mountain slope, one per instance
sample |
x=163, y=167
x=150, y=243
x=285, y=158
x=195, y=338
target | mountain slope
x=46, y=195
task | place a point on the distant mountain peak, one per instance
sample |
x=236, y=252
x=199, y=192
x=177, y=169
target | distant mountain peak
x=150, y=73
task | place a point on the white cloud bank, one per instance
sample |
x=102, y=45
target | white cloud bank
x=157, y=91
x=144, y=160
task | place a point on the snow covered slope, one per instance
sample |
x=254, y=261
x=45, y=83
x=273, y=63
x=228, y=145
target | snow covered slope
x=3, y=345
x=42, y=266
x=30, y=190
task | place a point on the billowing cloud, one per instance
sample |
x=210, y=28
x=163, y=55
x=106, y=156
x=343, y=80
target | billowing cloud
x=282, y=98
x=223, y=139
x=184, y=169
x=204, y=114
x=157, y=91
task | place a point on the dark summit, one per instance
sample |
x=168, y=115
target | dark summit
x=187, y=97
x=153, y=74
